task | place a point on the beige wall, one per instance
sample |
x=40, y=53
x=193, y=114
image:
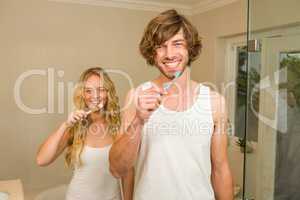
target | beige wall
x=266, y=14
x=213, y=26
x=216, y=26
x=40, y=35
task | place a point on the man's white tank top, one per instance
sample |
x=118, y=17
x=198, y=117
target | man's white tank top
x=174, y=159
x=93, y=180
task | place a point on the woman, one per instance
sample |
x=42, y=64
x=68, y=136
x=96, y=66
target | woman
x=87, y=136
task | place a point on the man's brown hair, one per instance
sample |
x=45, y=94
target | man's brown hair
x=165, y=26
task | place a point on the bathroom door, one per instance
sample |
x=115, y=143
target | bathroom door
x=275, y=102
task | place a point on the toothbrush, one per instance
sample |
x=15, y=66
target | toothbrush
x=167, y=85
x=96, y=108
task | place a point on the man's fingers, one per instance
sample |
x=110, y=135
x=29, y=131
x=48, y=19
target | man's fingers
x=150, y=105
x=146, y=113
x=155, y=90
x=150, y=87
x=149, y=101
x=153, y=96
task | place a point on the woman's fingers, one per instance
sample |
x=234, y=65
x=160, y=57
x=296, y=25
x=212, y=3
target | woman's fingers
x=76, y=116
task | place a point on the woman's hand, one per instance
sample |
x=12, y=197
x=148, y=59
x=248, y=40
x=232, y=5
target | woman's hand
x=75, y=117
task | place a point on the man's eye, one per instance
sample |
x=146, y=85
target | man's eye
x=178, y=44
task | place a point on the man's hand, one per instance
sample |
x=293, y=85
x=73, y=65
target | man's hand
x=148, y=99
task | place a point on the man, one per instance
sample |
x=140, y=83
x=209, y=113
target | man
x=176, y=135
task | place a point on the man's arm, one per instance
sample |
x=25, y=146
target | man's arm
x=221, y=174
x=142, y=103
x=128, y=184
x=124, y=151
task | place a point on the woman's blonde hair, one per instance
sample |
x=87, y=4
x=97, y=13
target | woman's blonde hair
x=111, y=114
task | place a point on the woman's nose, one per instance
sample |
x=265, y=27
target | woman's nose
x=95, y=94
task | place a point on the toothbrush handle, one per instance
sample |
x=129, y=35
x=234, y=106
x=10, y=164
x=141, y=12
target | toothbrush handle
x=89, y=112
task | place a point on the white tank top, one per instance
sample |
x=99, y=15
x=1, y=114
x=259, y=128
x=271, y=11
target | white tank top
x=93, y=180
x=174, y=159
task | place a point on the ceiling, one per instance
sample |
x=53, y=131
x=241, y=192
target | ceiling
x=182, y=2
x=187, y=7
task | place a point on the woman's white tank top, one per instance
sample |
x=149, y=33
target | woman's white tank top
x=174, y=159
x=93, y=180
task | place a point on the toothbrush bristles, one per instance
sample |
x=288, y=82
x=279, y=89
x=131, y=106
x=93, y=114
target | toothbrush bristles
x=167, y=85
x=177, y=74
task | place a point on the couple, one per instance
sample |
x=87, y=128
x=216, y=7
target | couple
x=171, y=142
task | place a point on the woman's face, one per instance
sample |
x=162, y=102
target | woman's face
x=94, y=93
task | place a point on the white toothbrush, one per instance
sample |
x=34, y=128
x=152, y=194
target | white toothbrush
x=96, y=108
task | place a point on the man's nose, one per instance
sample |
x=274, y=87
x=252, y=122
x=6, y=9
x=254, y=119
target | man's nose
x=169, y=52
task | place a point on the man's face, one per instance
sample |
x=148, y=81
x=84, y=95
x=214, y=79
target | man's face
x=172, y=55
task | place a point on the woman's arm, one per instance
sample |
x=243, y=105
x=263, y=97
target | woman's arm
x=57, y=141
x=53, y=146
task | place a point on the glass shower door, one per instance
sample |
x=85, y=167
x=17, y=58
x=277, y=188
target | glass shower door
x=272, y=169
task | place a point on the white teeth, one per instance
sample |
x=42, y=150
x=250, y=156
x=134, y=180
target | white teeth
x=172, y=64
x=95, y=102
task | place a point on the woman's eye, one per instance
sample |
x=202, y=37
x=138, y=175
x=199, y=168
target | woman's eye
x=88, y=91
x=101, y=90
